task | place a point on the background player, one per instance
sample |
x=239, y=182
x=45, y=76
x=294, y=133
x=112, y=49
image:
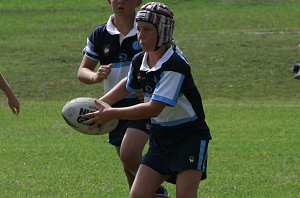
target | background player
x=113, y=45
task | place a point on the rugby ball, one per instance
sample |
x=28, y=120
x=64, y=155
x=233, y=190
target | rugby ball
x=74, y=109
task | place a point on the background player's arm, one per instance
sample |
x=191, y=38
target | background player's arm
x=12, y=99
x=87, y=74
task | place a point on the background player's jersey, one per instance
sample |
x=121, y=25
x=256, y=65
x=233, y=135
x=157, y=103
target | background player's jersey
x=106, y=45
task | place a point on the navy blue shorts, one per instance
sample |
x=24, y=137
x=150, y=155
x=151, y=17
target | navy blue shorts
x=190, y=153
x=116, y=136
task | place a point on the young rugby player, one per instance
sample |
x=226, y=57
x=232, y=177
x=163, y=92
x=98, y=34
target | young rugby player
x=179, y=133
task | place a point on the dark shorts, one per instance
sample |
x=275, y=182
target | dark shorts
x=116, y=136
x=190, y=153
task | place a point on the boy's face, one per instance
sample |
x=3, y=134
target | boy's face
x=123, y=7
x=147, y=35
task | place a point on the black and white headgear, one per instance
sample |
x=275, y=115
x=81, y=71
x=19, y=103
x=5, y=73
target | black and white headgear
x=161, y=17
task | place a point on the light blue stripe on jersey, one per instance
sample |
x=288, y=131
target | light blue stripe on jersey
x=201, y=155
x=169, y=87
x=171, y=78
x=181, y=113
x=121, y=64
x=89, y=51
x=204, y=165
x=164, y=100
x=90, y=45
x=175, y=122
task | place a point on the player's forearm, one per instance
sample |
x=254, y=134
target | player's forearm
x=85, y=75
x=115, y=94
x=6, y=88
x=136, y=112
x=8, y=92
x=86, y=72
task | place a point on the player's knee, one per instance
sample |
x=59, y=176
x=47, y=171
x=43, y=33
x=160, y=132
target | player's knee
x=130, y=160
x=126, y=157
x=136, y=194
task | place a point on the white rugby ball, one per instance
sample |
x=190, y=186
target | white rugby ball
x=74, y=109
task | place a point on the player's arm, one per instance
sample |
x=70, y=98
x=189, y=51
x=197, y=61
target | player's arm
x=13, y=101
x=140, y=111
x=135, y=112
x=87, y=74
x=117, y=93
x=4, y=85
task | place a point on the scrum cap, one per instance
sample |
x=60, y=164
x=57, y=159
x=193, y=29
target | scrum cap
x=161, y=17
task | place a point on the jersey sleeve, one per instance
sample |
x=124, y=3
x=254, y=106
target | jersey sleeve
x=91, y=49
x=168, y=88
x=132, y=84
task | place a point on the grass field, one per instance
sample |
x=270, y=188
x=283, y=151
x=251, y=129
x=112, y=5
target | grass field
x=240, y=51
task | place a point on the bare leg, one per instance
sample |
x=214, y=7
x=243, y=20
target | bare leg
x=131, y=153
x=187, y=183
x=146, y=183
x=132, y=147
x=129, y=175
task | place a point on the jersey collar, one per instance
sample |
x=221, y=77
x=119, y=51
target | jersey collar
x=114, y=31
x=157, y=66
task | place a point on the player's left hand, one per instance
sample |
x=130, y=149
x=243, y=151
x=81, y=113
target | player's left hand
x=98, y=117
x=14, y=104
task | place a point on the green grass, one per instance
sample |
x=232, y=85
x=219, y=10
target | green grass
x=240, y=52
x=42, y=157
x=254, y=151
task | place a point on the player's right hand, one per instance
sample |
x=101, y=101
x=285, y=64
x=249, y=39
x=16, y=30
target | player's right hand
x=103, y=72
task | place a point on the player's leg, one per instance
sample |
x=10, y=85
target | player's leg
x=187, y=183
x=115, y=138
x=129, y=176
x=132, y=147
x=134, y=141
x=188, y=180
x=146, y=183
x=297, y=76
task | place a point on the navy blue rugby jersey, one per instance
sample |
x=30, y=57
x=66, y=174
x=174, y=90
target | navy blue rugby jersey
x=170, y=81
x=106, y=45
